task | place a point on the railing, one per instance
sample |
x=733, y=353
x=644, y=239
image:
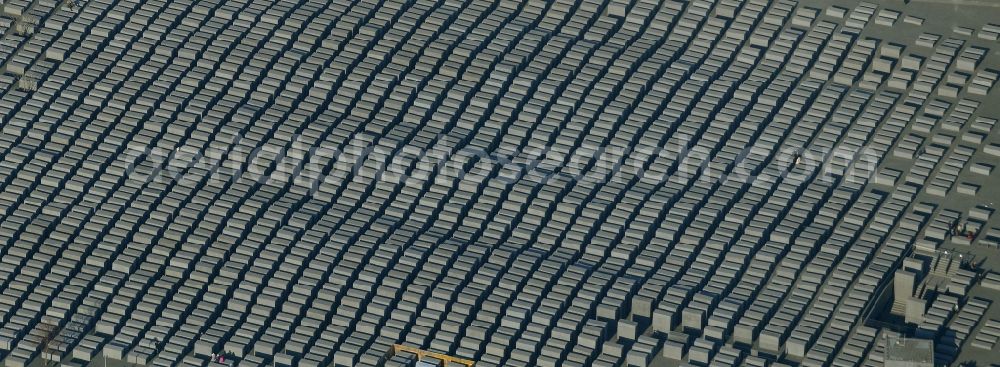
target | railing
x=420, y=353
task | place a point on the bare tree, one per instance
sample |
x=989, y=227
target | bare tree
x=49, y=342
x=27, y=83
x=26, y=26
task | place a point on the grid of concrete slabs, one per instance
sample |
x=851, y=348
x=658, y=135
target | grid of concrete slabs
x=660, y=266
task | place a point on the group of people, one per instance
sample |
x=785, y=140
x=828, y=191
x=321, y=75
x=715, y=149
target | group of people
x=962, y=230
x=219, y=358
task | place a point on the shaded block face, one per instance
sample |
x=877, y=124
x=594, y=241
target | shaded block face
x=715, y=333
x=613, y=349
x=915, y=308
x=993, y=149
x=608, y=312
x=904, y=283
x=637, y=358
x=628, y=330
x=991, y=281
x=663, y=320
x=699, y=355
x=744, y=333
x=770, y=342
x=673, y=350
x=114, y=351
x=968, y=189
x=796, y=348
x=642, y=306
x=618, y=9
x=693, y=317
